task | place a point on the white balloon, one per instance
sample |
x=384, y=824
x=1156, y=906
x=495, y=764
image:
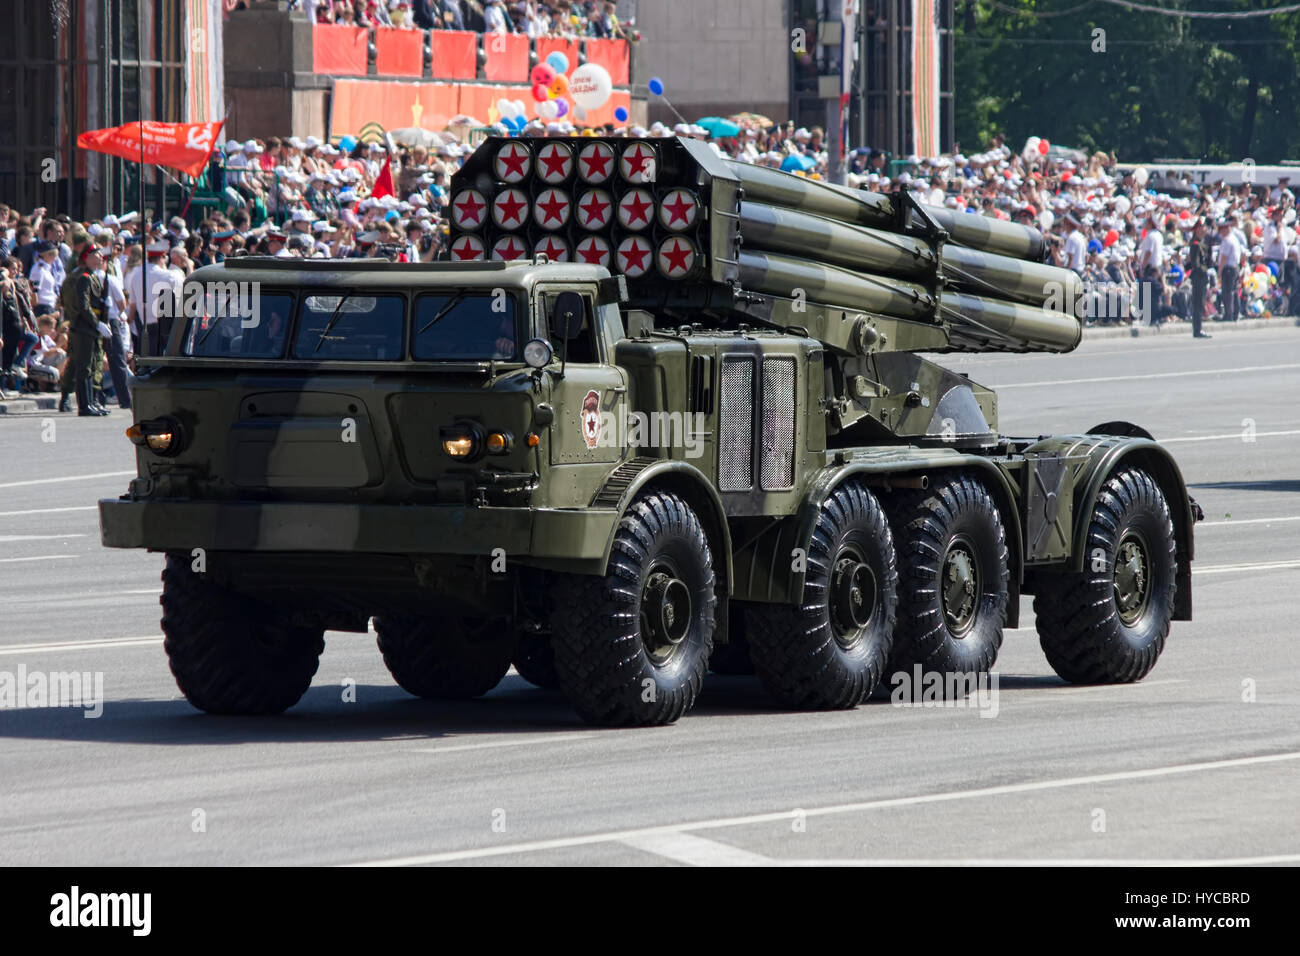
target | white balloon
x=1140, y=176
x=547, y=109
x=520, y=108
x=590, y=86
x=506, y=109
x=1122, y=204
x=579, y=112
x=1045, y=220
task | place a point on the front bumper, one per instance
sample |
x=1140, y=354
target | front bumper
x=547, y=534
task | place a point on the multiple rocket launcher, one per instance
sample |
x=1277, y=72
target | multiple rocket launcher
x=688, y=228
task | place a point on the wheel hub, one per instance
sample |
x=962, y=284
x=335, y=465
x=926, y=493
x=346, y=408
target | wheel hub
x=959, y=588
x=1132, y=579
x=853, y=597
x=665, y=614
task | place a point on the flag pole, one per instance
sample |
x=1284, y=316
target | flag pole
x=144, y=232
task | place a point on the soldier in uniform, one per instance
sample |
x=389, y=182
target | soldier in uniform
x=81, y=295
x=1198, y=267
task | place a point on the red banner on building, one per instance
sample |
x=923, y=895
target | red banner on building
x=339, y=50
x=183, y=146
x=455, y=54
x=611, y=54
x=399, y=52
x=507, y=57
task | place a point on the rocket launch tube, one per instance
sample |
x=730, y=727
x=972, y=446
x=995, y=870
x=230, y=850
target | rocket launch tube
x=794, y=192
x=1002, y=277
x=988, y=235
x=858, y=248
x=978, y=324
x=783, y=275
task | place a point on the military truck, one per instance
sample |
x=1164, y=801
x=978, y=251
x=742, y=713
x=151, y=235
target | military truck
x=658, y=412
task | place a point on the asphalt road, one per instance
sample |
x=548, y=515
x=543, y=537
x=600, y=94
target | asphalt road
x=1199, y=762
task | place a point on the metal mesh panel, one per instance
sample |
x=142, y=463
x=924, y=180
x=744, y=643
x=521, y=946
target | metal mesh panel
x=736, y=426
x=777, y=467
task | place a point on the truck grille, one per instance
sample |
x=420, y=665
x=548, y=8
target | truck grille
x=736, y=426
x=777, y=468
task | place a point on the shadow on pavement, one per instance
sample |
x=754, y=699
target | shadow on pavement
x=1279, y=484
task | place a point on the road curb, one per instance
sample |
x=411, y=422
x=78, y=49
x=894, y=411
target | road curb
x=1172, y=329
x=29, y=404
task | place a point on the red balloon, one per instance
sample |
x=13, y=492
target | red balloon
x=1184, y=214
x=1261, y=268
x=1065, y=176
x=541, y=93
x=542, y=75
x=1112, y=237
x=1044, y=146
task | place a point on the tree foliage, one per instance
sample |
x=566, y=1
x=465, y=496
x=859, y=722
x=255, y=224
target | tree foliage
x=1142, y=85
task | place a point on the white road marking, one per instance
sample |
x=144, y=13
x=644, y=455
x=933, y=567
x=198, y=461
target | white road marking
x=784, y=816
x=1228, y=568
x=7, y=538
x=1228, y=522
x=697, y=851
x=493, y=744
x=1236, y=436
x=1223, y=861
x=40, y=557
x=55, y=646
x=48, y=481
x=1149, y=375
x=47, y=511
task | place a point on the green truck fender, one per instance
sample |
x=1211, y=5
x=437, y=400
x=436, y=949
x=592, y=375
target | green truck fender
x=1099, y=455
x=638, y=475
x=766, y=565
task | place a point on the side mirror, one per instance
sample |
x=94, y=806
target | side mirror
x=566, y=318
x=538, y=353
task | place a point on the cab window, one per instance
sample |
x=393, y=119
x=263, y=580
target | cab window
x=585, y=348
x=350, y=325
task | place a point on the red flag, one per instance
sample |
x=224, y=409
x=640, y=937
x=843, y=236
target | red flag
x=183, y=146
x=384, y=181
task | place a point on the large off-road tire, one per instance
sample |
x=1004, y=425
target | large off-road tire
x=1108, y=623
x=830, y=651
x=445, y=657
x=952, y=579
x=228, y=653
x=535, y=660
x=631, y=646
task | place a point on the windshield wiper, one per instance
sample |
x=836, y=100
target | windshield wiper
x=451, y=304
x=329, y=326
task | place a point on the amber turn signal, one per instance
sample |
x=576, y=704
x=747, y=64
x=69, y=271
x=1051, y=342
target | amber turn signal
x=533, y=439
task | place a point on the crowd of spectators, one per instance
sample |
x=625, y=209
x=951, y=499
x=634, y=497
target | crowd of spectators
x=535, y=18
x=1125, y=231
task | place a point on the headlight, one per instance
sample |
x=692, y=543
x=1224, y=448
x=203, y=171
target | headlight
x=461, y=441
x=499, y=443
x=162, y=436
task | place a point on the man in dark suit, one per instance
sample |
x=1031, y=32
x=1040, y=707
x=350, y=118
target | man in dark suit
x=1198, y=268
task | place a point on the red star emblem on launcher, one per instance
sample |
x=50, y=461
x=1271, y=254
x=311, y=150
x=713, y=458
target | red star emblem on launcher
x=634, y=209
x=676, y=256
x=555, y=162
x=638, y=163
x=467, y=249
x=510, y=208
x=594, y=162
x=552, y=209
x=507, y=249
x=554, y=249
x=594, y=208
x=594, y=250
x=633, y=253
x=512, y=162
x=677, y=211
x=467, y=208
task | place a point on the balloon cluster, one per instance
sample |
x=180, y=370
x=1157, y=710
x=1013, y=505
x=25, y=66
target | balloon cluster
x=557, y=93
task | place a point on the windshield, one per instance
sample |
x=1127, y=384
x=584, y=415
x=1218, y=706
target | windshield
x=350, y=326
x=239, y=325
x=464, y=326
